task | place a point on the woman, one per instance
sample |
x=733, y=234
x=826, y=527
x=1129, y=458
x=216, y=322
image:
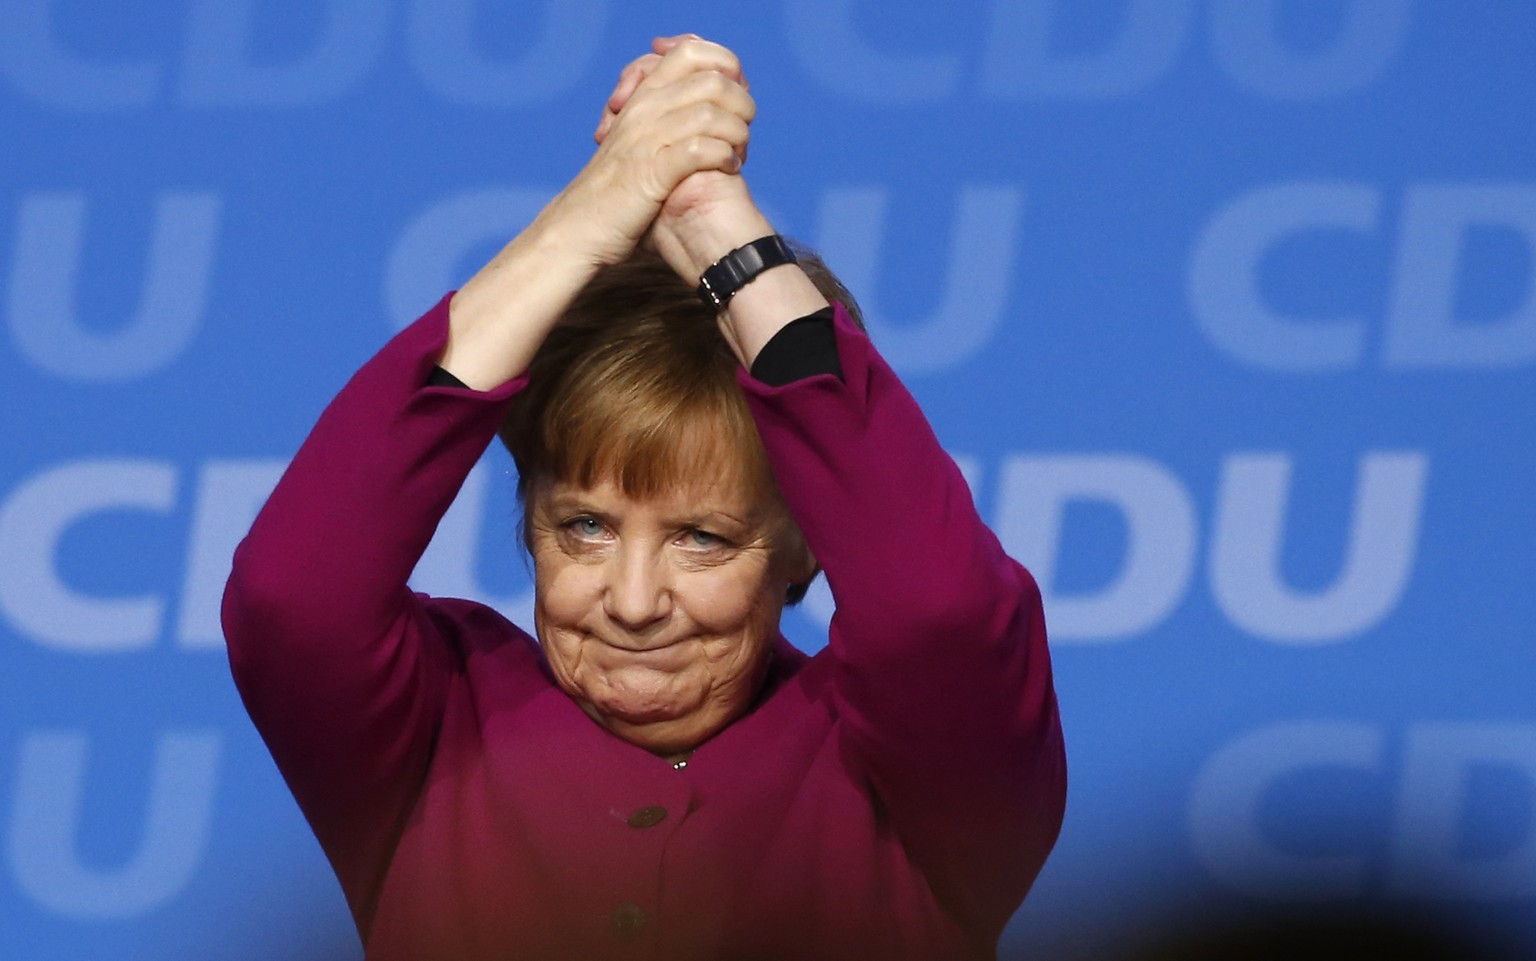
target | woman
x=660, y=775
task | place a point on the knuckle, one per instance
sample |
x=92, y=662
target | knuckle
x=702, y=151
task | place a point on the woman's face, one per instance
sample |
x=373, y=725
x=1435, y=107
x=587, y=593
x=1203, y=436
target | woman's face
x=657, y=616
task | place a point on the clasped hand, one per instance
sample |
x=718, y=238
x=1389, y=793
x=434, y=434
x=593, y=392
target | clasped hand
x=672, y=137
x=671, y=143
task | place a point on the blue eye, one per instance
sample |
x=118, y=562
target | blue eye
x=585, y=526
x=698, y=538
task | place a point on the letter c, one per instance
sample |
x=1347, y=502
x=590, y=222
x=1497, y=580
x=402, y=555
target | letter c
x=32, y=58
x=1224, y=293
x=33, y=521
x=823, y=36
x=1228, y=791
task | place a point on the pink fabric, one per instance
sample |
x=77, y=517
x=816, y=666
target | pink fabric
x=892, y=797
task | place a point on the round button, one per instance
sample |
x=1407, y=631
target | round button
x=648, y=817
x=628, y=921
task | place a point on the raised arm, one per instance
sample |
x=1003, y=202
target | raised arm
x=709, y=214
x=943, y=679
x=687, y=113
x=343, y=669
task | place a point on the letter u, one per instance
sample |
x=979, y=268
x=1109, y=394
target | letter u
x=50, y=237
x=1247, y=546
x=45, y=827
x=985, y=237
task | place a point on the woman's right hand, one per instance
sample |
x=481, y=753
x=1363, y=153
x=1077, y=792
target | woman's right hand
x=685, y=112
x=680, y=110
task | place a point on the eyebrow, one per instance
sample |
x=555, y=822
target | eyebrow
x=576, y=501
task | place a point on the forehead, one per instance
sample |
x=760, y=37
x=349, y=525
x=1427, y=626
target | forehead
x=695, y=453
x=702, y=467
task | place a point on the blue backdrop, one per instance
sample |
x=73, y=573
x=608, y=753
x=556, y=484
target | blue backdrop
x=1227, y=307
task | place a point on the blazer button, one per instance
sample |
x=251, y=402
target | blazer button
x=647, y=817
x=628, y=921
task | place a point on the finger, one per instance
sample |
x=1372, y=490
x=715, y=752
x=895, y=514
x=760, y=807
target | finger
x=662, y=45
x=665, y=44
x=701, y=137
x=629, y=78
x=681, y=106
x=689, y=156
x=694, y=56
x=701, y=119
x=704, y=88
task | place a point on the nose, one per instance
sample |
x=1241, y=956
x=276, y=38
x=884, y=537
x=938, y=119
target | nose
x=638, y=593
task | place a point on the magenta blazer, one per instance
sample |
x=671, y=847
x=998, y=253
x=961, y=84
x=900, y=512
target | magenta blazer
x=892, y=797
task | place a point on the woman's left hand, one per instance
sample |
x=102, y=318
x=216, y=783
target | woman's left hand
x=709, y=213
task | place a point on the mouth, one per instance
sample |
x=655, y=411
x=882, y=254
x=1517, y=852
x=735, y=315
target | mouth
x=652, y=654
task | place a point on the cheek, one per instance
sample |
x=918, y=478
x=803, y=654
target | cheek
x=731, y=602
x=565, y=592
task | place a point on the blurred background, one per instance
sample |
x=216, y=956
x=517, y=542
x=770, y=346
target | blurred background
x=1226, y=307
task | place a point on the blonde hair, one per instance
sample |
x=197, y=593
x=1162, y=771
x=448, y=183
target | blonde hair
x=633, y=382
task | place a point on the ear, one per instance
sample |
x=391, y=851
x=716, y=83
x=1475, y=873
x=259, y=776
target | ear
x=803, y=571
x=803, y=567
x=798, y=563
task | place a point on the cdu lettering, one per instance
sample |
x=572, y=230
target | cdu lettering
x=1224, y=289
x=1421, y=328
x=447, y=568
x=1227, y=799
x=442, y=47
x=1425, y=332
x=45, y=827
x=1246, y=45
x=1246, y=547
x=824, y=37
x=437, y=250
x=983, y=248
x=41, y=308
x=229, y=495
x=227, y=61
x=1160, y=538
x=1437, y=787
x=35, y=518
x=37, y=66
x=1022, y=56
x=1155, y=572
x=1021, y=64
x=224, y=67
x=1433, y=789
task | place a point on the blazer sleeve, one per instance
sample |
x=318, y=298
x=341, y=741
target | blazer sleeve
x=942, y=679
x=343, y=669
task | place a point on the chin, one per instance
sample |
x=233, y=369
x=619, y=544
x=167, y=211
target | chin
x=645, y=697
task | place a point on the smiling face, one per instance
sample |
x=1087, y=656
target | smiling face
x=657, y=614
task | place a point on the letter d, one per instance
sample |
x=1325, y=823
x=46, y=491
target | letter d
x=1424, y=331
x=1427, y=856
x=1160, y=538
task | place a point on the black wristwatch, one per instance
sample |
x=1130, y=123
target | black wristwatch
x=740, y=267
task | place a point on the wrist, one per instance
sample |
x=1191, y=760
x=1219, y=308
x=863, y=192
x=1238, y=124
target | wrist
x=704, y=236
x=737, y=269
x=500, y=316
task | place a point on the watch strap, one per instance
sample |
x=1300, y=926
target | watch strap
x=740, y=267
